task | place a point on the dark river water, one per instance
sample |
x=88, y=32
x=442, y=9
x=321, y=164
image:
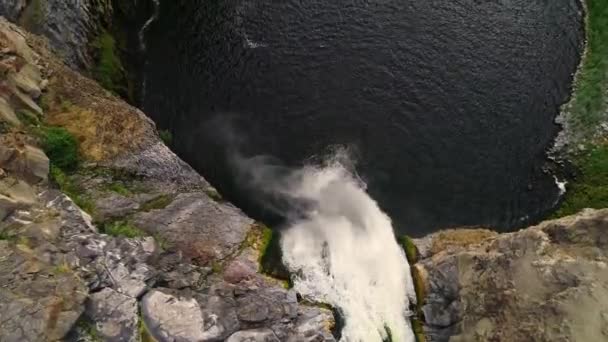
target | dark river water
x=449, y=106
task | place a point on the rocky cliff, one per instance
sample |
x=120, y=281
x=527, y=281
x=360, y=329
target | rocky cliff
x=544, y=283
x=124, y=241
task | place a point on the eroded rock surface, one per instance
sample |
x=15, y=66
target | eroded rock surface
x=544, y=283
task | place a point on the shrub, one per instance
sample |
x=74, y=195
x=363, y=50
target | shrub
x=108, y=71
x=61, y=147
x=166, y=136
x=123, y=228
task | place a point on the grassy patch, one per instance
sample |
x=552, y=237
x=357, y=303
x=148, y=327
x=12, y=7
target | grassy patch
x=166, y=136
x=214, y=195
x=120, y=188
x=28, y=118
x=124, y=229
x=410, y=248
x=588, y=104
x=156, y=203
x=60, y=146
x=89, y=329
x=62, y=268
x=108, y=70
x=72, y=190
x=590, y=187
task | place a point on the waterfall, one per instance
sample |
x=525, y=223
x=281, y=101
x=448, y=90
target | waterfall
x=142, y=44
x=338, y=244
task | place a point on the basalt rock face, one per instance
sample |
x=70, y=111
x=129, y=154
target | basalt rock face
x=70, y=25
x=544, y=283
x=131, y=244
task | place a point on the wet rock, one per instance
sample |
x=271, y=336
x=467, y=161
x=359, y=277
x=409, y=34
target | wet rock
x=115, y=315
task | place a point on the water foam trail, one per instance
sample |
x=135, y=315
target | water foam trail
x=344, y=253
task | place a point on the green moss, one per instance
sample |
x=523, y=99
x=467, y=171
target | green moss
x=214, y=195
x=120, y=188
x=588, y=104
x=62, y=268
x=71, y=189
x=410, y=248
x=144, y=332
x=271, y=255
x=60, y=146
x=418, y=330
x=89, y=329
x=166, y=136
x=159, y=202
x=28, y=118
x=123, y=228
x=33, y=15
x=590, y=188
x=108, y=70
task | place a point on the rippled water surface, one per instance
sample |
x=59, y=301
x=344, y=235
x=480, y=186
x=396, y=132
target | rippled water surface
x=449, y=105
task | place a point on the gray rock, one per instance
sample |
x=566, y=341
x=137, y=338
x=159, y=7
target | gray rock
x=506, y=287
x=202, y=228
x=169, y=318
x=254, y=335
x=115, y=315
x=11, y=9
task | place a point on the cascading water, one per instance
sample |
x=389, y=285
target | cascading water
x=338, y=245
x=343, y=252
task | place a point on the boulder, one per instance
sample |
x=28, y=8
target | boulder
x=115, y=316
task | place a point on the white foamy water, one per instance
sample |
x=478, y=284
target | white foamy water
x=344, y=253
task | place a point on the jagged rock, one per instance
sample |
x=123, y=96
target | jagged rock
x=504, y=287
x=15, y=194
x=202, y=228
x=115, y=315
x=7, y=114
x=23, y=160
x=254, y=335
x=169, y=318
x=38, y=302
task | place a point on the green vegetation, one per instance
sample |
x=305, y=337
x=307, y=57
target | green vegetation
x=124, y=229
x=159, y=202
x=214, y=195
x=409, y=248
x=33, y=15
x=418, y=330
x=120, y=188
x=28, y=118
x=89, y=329
x=411, y=251
x=61, y=147
x=588, y=103
x=68, y=187
x=109, y=71
x=588, y=108
x=62, y=268
x=144, y=332
x=166, y=136
x=590, y=188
